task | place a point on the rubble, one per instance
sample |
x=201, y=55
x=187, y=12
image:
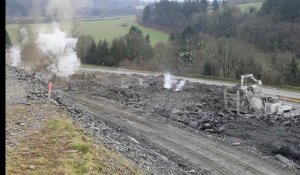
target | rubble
x=149, y=156
x=287, y=162
x=197, y=106
x=286, y=149
x=236, y=143
x=141, y=151
x=24, y=104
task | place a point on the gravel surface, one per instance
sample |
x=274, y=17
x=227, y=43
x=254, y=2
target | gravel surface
x=198, y=106
x=25, y=105
x=24, y=89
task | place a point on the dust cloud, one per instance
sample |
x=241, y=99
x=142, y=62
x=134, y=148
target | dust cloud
x=14, y=53
x=51, y=52
x=171, y=83
x=60, y=49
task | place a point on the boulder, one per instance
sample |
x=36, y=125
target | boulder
x=194, y=124
x=283, y=148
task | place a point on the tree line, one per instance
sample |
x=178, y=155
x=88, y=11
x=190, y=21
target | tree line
x=133, y=47
x=99, y=8
x=212, y=39
x=217, y=39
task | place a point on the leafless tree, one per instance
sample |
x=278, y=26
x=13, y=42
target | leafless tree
x=75, y=29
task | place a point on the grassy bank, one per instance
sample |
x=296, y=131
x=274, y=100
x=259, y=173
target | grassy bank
x=61, y=148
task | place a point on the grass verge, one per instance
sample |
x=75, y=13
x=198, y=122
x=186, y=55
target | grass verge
x=61, y=148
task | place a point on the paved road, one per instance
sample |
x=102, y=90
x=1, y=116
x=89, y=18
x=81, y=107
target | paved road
x=267, y=90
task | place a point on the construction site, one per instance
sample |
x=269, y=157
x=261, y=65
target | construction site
x=154, y=87
x=168, y=125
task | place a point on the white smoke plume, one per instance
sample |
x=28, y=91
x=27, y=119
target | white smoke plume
x=180, y=85
x=60, y=50
x=14, y=56
x=50, y=52
x=24, y=35
x=170, y=82
x=14, y=53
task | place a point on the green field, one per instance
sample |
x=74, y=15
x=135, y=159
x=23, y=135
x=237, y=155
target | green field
x=99, y=29
x=112, y=28
x=13, y=30
x=245, y=7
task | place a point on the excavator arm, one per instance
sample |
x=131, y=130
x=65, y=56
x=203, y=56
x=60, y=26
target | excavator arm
x=258, y=82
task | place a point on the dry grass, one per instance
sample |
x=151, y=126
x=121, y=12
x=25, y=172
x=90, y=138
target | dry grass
x=60, y=148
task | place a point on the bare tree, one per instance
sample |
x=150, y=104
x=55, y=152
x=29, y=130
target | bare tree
x=75, y=29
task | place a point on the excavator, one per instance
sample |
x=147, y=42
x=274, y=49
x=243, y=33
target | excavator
x=247, y=98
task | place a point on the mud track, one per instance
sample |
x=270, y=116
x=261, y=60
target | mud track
x=195, y=148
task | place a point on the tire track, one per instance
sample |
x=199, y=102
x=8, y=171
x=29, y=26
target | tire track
x=198, y=150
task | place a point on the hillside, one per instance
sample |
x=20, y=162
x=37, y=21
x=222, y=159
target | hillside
x=106, y=28
x=225, y=40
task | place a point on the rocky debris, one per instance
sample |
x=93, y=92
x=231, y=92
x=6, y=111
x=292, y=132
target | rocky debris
x=286, y=161
x=196, y=103
x=137, y=148
x=274, y=120
x=286, y=149
x=144, y=153
x=141, y=97
x=198, y=106
x=36, y=89
x=194, y=124
x=25, y=104
x=236, y=144
x=200, y=120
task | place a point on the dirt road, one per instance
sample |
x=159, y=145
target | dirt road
x=195, y=148
x=167, y=132
x=267, y=90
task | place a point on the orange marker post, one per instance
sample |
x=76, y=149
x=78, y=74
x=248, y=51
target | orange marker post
x=50, y=85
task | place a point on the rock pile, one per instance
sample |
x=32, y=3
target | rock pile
x=198, y=106
x=137, y=148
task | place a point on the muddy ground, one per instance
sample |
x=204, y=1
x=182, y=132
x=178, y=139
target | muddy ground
x=198, y=106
